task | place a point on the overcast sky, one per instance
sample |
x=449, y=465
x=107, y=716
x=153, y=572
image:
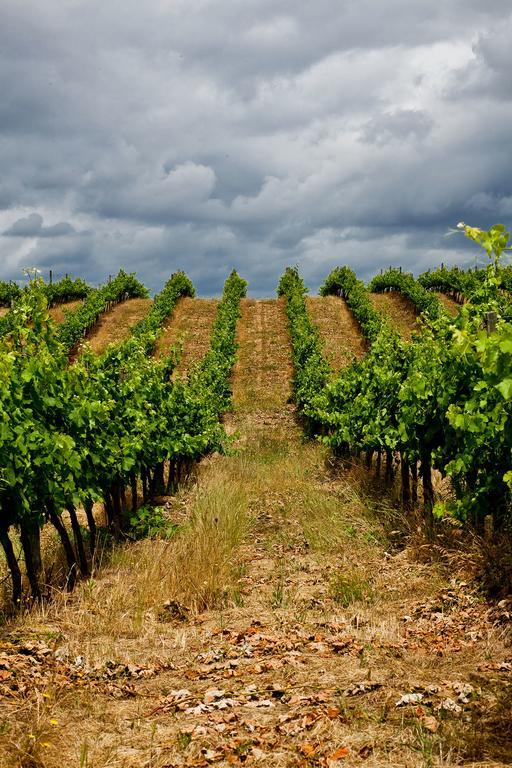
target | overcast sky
x=211, y=134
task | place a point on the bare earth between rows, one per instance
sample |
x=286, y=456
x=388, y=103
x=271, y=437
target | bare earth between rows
x=190, y=325
x=114, y=326
x=399, y=310
x=339, y=330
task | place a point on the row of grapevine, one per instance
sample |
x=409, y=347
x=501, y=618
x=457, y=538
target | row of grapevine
x=443, y=402
x=162, y=307
x=62, y=291
x=311, y=371
x=343, y=282
x=66, y=289
x=9, y=292
x=425, y=302
x=460, y=284
x=81, y=320
x=466, y=285
x=73, y=435
x=212, y=375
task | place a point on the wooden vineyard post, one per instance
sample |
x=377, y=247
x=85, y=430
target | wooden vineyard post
x=491, y=320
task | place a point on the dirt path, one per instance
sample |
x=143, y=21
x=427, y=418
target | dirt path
x=279, y=628
x=114, y=325
x=338, y=329
x=399, y=310
x=191, y=323
x=263, y=372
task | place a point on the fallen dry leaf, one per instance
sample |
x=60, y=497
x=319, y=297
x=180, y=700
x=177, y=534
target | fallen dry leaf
x=308, y=750
x=339, y=754
x=430, y=723
x=310, y=719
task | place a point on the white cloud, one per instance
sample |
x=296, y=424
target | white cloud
x=206, y=135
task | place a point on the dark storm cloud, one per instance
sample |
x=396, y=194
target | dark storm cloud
x=487, y=75
x=32, y=226
x=205, y=135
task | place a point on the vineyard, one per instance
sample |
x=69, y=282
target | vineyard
x=262, y=532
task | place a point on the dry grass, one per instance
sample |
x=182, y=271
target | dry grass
x=449, y=304
x=114, y=325
x=35, y=736
x=263, y=371
x=338, y=329
x=191, y=324
x=399, y=310
x=279, y=552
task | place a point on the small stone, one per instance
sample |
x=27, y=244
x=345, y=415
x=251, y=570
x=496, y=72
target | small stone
x=212, y=694
x=409, y=698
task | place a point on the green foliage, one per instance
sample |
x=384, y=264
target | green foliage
x=343, y=282
x=78, y=322
x=427, y=303
x=479, y=285
x=162, y=307
x=311, y=371
x=348, y=586
x=73, y=434
x=454, y=281
x=150, y=522
x=66, y=289
x=494, y=241
x=445, y=399
x=213, y=374
x=9, y=292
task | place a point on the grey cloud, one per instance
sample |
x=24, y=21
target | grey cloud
x=487, y=76
x=397, y=126
x=209, y=135
x=32, y=226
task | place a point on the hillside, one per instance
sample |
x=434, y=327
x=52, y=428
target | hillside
x=284, y=624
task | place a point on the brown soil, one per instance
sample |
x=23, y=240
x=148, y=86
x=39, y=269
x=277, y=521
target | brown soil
x=191, y=324
x=263, y=372
x=279, y=628
x=58, y=313
x=339, y=331
x=3, y=311
x=399, y=310
x=449, y=304
x=114, y=325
